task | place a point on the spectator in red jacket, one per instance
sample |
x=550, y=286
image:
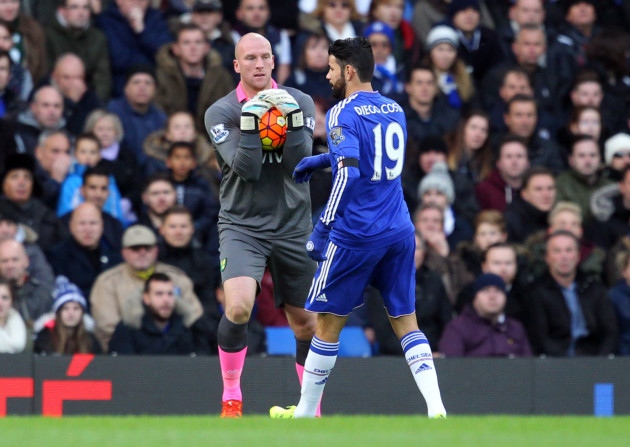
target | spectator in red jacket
x=505, y=181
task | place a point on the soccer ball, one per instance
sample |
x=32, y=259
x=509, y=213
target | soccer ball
x=273, y=130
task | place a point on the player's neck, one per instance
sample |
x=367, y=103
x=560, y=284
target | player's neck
x=362, y=87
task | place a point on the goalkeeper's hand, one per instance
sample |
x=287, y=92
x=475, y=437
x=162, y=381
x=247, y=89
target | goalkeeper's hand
x=316, y=245
x=252, y=111
x=286, y=104
x=308, y=165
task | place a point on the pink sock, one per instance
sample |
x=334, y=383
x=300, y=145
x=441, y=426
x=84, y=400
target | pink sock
x=300, y=372
x=231, y=368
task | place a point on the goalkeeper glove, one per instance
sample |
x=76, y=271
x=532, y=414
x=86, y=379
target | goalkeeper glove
x=316, y=245
x=286, y=104
x=308, y=165
x=252, y=111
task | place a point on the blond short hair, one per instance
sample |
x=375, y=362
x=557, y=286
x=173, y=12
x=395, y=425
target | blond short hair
x=564, y=206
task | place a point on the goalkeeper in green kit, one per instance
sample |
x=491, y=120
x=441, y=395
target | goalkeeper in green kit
x=265, y=217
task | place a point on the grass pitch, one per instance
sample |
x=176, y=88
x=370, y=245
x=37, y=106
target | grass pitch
x=333, y=431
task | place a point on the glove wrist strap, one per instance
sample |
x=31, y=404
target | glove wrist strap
x=295, y=121
x=249, y=123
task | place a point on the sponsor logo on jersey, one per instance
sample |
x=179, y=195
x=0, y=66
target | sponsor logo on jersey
x=423, y=367
x=271, y=157
x=219, y=133
x=336, y=136
x=223, y=264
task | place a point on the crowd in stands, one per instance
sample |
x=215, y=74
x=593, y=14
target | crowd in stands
x=517, y=170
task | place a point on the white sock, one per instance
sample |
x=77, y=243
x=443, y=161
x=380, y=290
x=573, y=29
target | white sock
x=420, y=360
x=319, y=363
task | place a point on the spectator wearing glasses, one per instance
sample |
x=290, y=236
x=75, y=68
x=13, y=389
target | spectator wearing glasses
x=117, y=293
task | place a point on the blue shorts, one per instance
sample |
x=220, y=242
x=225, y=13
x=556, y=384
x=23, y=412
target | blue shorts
x=339, y=281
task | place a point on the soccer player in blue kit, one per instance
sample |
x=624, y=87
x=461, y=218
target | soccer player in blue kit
x=365, y=234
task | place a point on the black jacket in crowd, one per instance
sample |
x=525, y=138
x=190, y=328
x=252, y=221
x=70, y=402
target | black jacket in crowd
x=523, y=220
x=549, y=320
x=112, y=230
x=148, y=339
x=80, y=265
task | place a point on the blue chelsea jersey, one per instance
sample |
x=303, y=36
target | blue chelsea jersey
x=372, y=129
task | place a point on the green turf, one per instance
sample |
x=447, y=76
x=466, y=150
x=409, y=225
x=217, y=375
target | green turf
x=334, y=431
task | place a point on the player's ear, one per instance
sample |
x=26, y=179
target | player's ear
x=236, y=67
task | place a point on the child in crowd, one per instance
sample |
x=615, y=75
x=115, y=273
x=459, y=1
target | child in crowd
x=87, y=154
x=68, y=329
x=194, y=193
x=12, y=327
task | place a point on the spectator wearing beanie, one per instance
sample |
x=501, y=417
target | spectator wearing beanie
x=482, y=329
x=21, y=198
x=68, y=328
x=437, y=188
x=479, y=46
x=452, y=76
x=617, y=155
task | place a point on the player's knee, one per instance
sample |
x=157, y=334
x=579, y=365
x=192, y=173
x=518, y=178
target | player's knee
x=238, y=313
x=304, y=329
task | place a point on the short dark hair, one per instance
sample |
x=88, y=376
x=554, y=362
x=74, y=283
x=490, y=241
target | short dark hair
x=562, y=233
x=156, y=277
x=484, y=256
x=575, y=139
x=512, y=138
x=533, y=172
x=88, y=136
x=187, y=27
x=177, y=209
x=517, y=70
x=584, y=76
x=157, y=177
x=181, y=145
x=94, y=171
x=520, y=97
x=420, y=67
x=357, y=52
